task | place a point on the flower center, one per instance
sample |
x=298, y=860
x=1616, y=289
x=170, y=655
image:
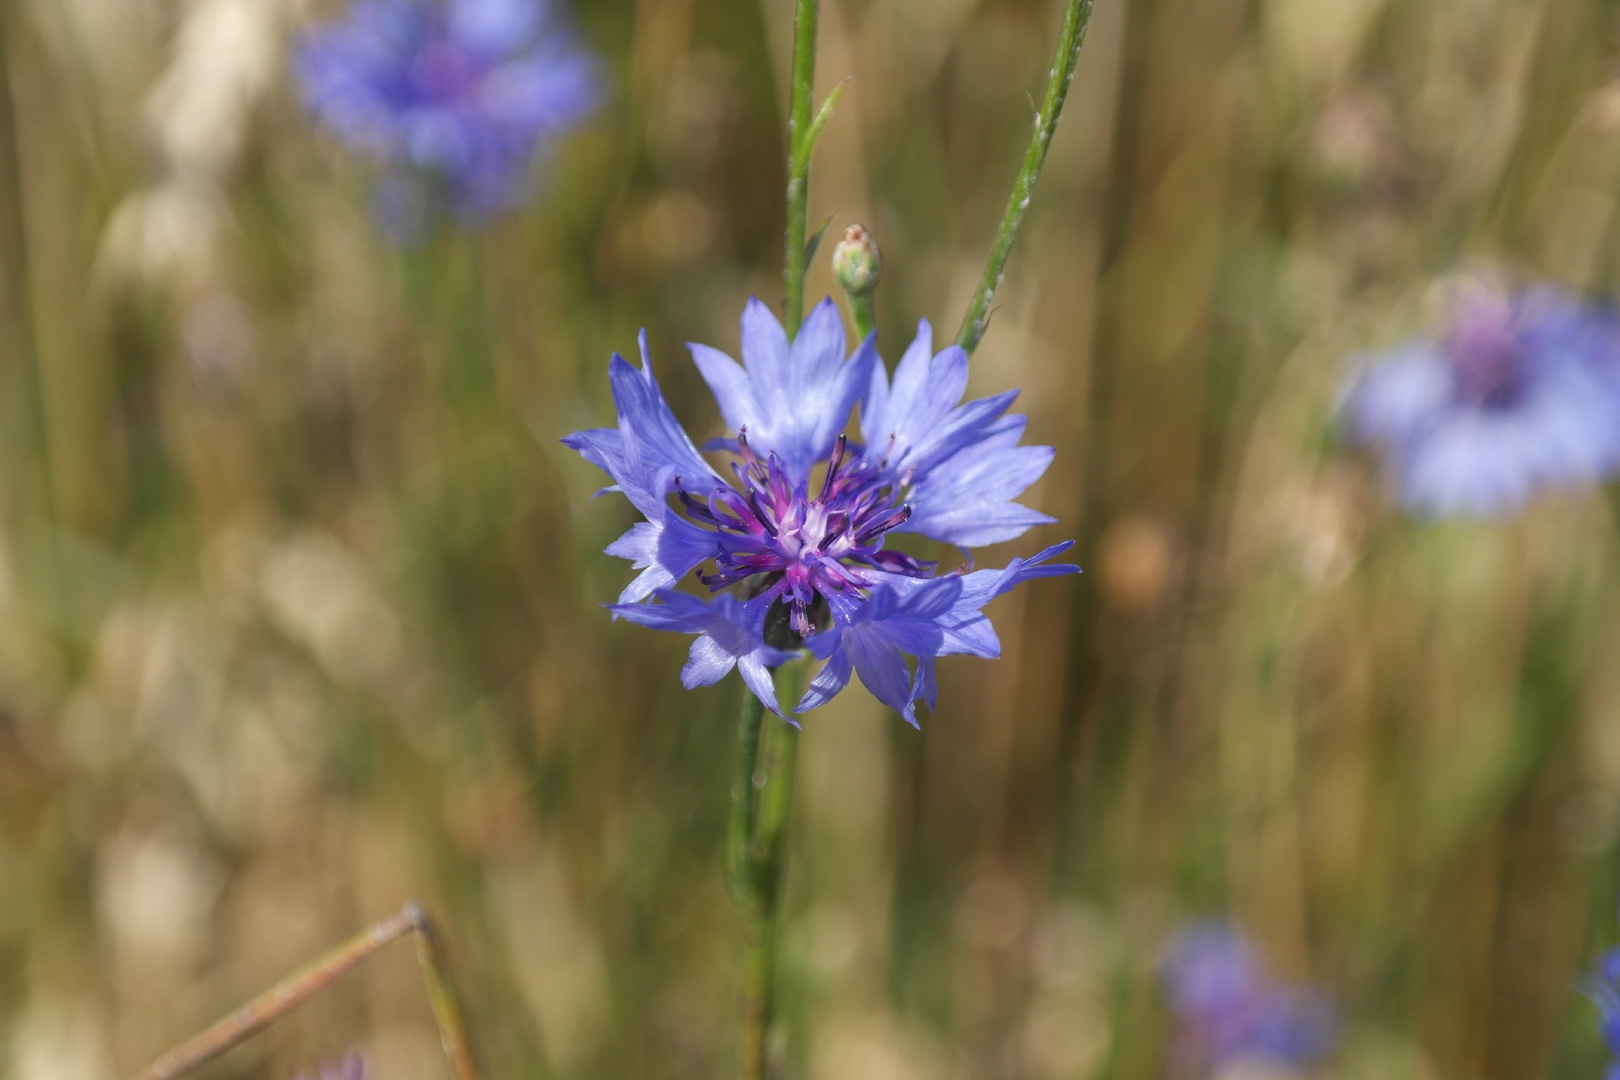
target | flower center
x=442, y=73
x=1486, y=354
x=806, y=547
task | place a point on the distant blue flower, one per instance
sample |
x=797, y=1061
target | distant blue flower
x=353, y=1066
x=817, y=564
x=1226, y=1008
x=456, y=98
x=1603, y=987
x=1520, y=394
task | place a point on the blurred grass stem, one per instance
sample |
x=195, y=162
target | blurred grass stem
x=18, y=314
x=756, y=856
x=1076, y=15
x=295, y=989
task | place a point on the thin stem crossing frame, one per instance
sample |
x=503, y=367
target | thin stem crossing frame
x=236, y=1028
x=1076, y=16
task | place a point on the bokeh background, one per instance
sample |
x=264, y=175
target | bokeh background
x=299, y=594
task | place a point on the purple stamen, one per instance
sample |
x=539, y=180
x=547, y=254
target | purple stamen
x=1486, y=354
x=806, y=547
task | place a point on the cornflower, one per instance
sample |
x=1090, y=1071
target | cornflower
x=794, y=549
x=456, y=98
x=1227, y=1010
x=1603, y=988
x=1518, y=394
x=353, y=1066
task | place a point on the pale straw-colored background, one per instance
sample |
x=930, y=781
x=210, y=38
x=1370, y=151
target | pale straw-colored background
x=299, y=593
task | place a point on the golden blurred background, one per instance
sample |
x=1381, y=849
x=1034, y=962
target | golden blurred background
x=300, y=596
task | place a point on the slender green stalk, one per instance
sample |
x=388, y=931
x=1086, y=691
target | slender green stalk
x=291, y=992
x=740, y=830
x=802, y=131
x=864, y=312
x=766, y=773
x=1076, y=14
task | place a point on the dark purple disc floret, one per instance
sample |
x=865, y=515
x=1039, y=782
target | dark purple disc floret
x=929, y=464
x=807, y=547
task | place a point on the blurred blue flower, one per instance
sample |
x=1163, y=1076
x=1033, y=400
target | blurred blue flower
x=817, y=565
x=1226, y=1009
x=457, y=98
x=353, y=1066
x=1603, y=988
x=1520, y=394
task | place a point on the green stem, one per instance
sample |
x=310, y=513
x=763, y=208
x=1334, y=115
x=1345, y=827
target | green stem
x=770, y=782
x=801, y=136
x=862, y=310
x=1076, y=14
x=740, y=829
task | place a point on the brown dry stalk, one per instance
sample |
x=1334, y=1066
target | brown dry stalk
x=281, y=999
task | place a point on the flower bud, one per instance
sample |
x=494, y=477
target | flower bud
x=856, y=262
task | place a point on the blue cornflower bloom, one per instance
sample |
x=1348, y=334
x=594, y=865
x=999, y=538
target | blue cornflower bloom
x=1228, y=1010
x=817, y=563
x=1520, y=394
x=1603, y=987
x=456, y=98
x=353, y=1066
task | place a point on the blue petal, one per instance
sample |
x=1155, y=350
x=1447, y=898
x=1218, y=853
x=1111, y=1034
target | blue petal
x=792, y=401
x=882, y=669
x=654, y=441
x=731, y=389
x=1393, y=398
x=965, y=628
x=494, y=26
x=961, y=461
x=925, y=386
x=544, y=93
x=1208, y=966
x=676, y=611
x=927, y=684
x=982, y=586
x=768, y=356
x=833, y=676
x=731, y=636
x=646, y=454
x=923, y=618
x=965, y=618
x=967, y=500
x=874, y=636
x=1292, y=1025
x=920, y=412
x=707, y=663
x=756, y=675
x=602, y=447
x=665, y=551
x=825, y=387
